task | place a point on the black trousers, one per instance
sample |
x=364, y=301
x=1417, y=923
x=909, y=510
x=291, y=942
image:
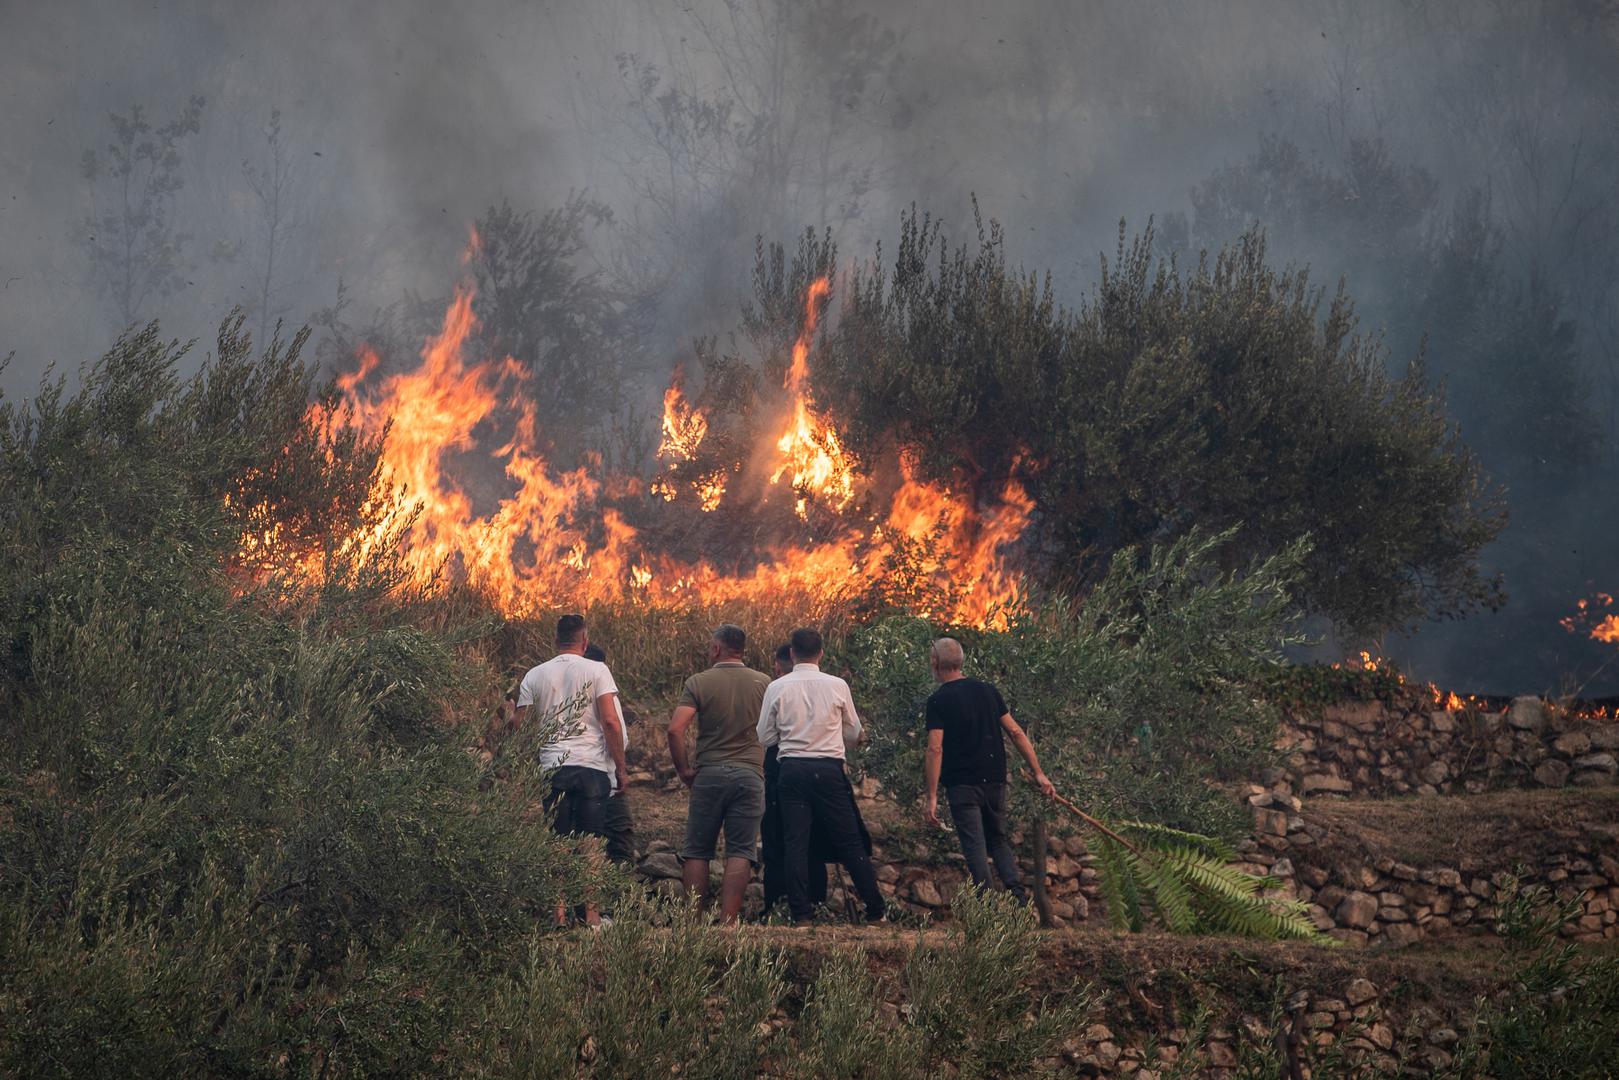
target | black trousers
x=816, y=793
x=620, y=828
x=773, y=844
x=979, y=811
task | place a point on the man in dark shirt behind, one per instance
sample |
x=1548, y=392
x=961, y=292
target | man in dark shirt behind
x=967, y=721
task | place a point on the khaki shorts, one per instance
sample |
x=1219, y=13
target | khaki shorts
x=729, y=797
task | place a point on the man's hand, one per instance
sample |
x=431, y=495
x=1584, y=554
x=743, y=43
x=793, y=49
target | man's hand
x=930, y=812
x=688, y=775
x=1041, y=781
x=623, y=776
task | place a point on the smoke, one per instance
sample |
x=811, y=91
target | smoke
x=704, y=124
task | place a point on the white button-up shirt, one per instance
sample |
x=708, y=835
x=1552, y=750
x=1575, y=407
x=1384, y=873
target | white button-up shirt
x=808, y=713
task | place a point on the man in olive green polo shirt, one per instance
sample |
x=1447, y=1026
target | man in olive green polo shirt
x=728, y=785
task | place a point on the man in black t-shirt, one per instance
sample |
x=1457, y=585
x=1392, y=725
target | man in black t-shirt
x=967, y=721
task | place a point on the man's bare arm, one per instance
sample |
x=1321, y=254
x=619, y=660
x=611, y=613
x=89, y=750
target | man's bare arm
x=679, y=721
x=1020, y=739
x=932, y=763
x=613, y=732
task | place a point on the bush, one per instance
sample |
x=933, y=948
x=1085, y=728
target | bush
x=238, y=834
x=968, y=1000
x=1142, y=701
x=1225, y=395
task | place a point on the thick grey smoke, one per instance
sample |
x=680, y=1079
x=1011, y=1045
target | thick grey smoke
x=701, y=124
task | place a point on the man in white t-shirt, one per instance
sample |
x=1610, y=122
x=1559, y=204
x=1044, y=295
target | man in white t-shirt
x=586, y=752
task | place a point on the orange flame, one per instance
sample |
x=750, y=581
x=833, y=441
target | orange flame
x=550, y=539
x=812, y=457
x=1598, y=627
x=683, y=426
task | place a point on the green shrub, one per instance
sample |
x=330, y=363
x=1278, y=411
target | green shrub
x=1141, y=701
x=968, y=999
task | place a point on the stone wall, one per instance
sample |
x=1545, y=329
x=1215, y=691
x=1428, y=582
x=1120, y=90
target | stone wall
x=1370, y=898
x=1378, y=748
x=1351, y=1017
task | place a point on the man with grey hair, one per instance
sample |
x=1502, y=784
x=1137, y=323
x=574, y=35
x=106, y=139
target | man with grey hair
x=967, y=721
x=728, y=784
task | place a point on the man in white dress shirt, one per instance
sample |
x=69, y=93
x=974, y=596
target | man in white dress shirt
x=810, y=716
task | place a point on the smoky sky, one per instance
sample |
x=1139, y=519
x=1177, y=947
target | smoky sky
x=401, y=122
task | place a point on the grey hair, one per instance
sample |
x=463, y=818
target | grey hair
x=947, y=655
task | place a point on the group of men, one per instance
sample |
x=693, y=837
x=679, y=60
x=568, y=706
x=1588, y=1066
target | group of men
x=768, y=767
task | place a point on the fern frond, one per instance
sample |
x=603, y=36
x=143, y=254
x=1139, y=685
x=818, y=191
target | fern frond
x=1157, y=835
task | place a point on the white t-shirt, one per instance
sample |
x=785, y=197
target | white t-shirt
x=568, y=679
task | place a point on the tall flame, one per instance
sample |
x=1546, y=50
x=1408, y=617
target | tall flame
x=553, y=539
x=812, y=457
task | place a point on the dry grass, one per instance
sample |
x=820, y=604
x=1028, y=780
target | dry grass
x=1491, y=831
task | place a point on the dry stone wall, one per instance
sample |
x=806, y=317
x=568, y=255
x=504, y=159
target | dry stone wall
x=1377, y=748
x=1371, y=898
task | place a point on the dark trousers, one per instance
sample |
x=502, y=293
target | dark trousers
x=979, y=811
x=620, y=829
x=773, y=845
x=815, y=793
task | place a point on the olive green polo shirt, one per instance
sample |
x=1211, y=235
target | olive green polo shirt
x=727, y=698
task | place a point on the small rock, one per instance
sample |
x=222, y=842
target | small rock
x=1527, y=714
x=1553, y=772
x=923, y=891
x=1360, y=992
x=1324, y=782
x=1401, y=934
x=1442, y=721
x=1271, y=822
x=1382, y=1035
x=1602, y=762
x=1436, y=773
x=1605, y=737
x=1572, y=744
x=660, y=866
x=1357, y=911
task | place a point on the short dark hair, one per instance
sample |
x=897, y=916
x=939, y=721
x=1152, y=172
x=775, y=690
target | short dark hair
x=570, y=628
x=806, y=643
x=784, y=655
x=732, y=637
x=594, y=651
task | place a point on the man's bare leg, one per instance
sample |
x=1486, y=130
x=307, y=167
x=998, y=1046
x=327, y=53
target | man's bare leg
x=694, y=876
x=734, y=888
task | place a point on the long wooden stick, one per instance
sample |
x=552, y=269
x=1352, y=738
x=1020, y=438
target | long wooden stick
x=1092, y=822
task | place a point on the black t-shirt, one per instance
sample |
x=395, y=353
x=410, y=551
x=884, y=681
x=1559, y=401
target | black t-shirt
x=969, y=713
